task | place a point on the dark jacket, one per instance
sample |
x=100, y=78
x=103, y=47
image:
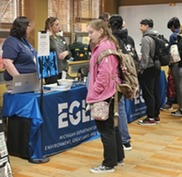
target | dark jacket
x=127, y=44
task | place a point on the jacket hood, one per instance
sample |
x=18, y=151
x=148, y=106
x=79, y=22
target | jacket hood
x=150, y=31
x=122, y=34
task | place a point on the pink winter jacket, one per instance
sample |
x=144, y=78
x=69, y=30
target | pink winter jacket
x=102, y=84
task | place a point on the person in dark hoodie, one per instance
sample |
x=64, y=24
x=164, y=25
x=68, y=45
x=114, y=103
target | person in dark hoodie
x=127, y=45
x=125, y=41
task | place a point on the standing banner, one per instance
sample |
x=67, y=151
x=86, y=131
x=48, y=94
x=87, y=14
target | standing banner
x=5, y=168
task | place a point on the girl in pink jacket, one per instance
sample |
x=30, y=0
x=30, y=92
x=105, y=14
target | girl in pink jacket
x=102, y=86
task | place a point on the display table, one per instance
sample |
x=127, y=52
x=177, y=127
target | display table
x=64, y=122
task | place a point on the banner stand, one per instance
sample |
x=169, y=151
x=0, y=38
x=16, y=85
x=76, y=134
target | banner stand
x=47, y=67
x=5, y=168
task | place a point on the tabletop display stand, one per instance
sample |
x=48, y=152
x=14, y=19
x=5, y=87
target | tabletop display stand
x=47, y=67
x=5, y=168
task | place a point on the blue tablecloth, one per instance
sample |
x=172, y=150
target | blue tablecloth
x=63, y=123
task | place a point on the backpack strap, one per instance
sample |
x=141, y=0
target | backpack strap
x=116, y=114
x=106, y=53
x=153, y=37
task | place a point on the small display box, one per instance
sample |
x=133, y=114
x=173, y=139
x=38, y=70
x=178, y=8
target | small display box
x=74, y=66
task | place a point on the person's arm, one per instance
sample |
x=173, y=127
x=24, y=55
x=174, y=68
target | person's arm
x=10, y=67
x=145, y=51
x=63, y=55
x=67, y=53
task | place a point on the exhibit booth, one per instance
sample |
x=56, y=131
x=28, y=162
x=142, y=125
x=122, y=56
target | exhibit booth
x=63, y=123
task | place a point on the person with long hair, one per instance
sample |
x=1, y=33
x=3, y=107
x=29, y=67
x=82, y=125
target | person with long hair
x=58, y=44
x=102, y=87
x=18, y=54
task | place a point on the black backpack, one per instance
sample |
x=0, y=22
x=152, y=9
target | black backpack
x=79, y=51
x=162, y=48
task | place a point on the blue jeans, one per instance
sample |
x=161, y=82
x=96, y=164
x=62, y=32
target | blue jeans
x=123, y=121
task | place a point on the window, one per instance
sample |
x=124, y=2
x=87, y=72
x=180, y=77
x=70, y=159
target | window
x=74, y=14
x=60, y=9
x=83, y=12
x=8, y=12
